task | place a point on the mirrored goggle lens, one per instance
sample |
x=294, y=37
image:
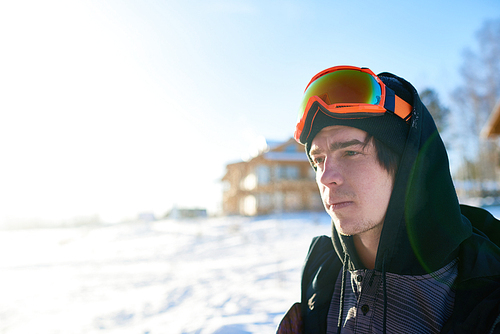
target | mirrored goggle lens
x=344, y=86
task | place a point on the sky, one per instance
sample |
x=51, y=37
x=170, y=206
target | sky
x=113, y=108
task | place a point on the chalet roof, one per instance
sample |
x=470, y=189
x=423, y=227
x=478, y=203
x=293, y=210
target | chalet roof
x=286, y=156
x=492, y=127
x=272, y=144
x=288, y=150
x=271, y=150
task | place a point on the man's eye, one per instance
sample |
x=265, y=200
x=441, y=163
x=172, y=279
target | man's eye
x=351, y=153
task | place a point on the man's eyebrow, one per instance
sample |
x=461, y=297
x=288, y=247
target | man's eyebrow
x=343, y=144
x=338, y=145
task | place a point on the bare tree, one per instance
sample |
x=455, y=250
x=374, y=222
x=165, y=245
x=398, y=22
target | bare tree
x=475, y=99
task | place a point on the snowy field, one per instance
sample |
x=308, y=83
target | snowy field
x=220, y=275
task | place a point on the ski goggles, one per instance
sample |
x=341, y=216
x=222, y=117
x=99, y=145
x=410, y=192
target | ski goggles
x=347, y=92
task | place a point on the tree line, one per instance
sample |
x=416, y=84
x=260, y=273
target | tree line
x=473, y=100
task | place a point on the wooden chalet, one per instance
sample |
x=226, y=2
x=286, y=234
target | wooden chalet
x=278, y=179
x=492, y=131
x=492, y=128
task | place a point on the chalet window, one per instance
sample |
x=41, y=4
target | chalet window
x=279, y=201
x=249, y=182
x=284, y=172
x=263, y=174
x=264, y=201
x=292, y=172
x=293, y=201
x=249, y=206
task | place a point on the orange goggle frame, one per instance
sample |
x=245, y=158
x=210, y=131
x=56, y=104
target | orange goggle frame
x=347, y=92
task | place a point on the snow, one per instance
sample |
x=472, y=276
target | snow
x=217, y=275
x=232, y=275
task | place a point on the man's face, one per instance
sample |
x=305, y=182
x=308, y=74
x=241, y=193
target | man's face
x=354, y=186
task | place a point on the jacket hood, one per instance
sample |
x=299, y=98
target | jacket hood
x=423, y=227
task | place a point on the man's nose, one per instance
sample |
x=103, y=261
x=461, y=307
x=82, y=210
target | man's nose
x=331, y=174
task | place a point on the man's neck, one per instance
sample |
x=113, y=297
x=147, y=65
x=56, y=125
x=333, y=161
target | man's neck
x=366, y=244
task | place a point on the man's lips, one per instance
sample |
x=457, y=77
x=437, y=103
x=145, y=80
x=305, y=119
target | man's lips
x=339, y=205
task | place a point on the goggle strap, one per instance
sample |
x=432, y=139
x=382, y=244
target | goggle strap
x=403, y=109
x=397, y=105
x=310, y=126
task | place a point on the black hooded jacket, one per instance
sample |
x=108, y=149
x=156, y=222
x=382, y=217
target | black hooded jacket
x=425, y=228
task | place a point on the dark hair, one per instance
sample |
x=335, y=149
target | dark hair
x=386, y=157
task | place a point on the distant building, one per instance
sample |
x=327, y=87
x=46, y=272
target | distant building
x=492, y=127
x=277, y=179
x=492, y=131
x=146, y=217
x=183, y=213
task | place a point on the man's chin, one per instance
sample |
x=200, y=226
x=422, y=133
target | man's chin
x=345, y=231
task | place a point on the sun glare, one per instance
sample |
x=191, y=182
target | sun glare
x=80, y=116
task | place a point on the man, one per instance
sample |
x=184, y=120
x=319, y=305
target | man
x=404, y=256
